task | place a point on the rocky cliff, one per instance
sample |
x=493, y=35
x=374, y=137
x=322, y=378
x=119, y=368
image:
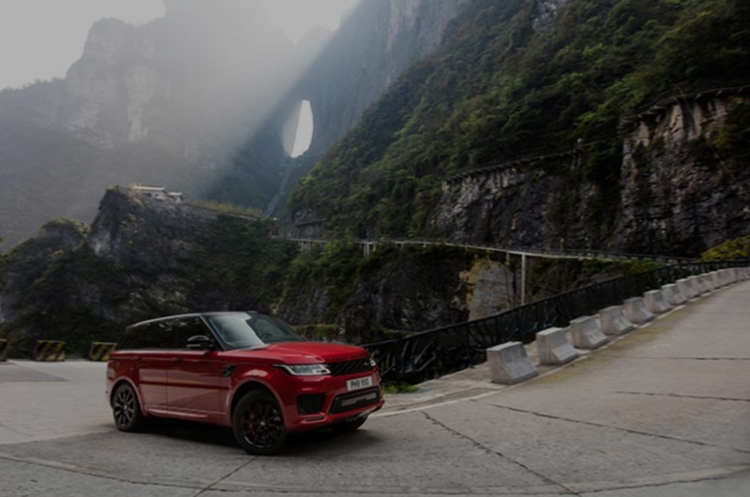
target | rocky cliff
x=378, y=41
x=685, y=184
x=141, y=258
x=682, y=189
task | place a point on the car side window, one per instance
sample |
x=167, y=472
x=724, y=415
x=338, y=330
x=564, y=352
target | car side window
x=188, y=328
x=153, y=336
x=157, y=336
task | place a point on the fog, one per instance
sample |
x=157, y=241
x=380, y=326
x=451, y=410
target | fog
x=40, y=39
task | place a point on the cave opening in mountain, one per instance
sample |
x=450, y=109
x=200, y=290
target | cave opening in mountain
x=305, y=128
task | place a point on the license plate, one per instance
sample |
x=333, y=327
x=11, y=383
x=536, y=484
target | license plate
x=359, y=383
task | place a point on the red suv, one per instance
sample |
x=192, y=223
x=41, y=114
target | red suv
x=244, y=370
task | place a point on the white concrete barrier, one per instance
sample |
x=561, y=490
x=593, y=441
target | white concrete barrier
x=708, y=282
x=586, y=333
x=613, y=321
x=636, y=312
x=509, y=364
x=554, y=349
x=716, y=279
x=655, y=302
x=673, y=295
x=724, y=277
x=698, y=287
x=687, y=289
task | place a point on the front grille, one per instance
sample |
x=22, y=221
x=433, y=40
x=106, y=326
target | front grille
x=310, y=403
x=350, y=367
x=355, y=400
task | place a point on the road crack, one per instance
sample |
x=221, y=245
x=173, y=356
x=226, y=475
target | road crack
x=627, y=430
x=676, y=396
x=231, y=473
x=488, y=450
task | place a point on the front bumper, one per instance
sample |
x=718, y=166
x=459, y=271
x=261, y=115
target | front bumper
x=339, y=404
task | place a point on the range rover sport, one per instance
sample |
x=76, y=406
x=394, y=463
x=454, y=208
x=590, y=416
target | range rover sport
x=243, y=370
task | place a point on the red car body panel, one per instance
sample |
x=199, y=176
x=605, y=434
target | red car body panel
x=202, y=385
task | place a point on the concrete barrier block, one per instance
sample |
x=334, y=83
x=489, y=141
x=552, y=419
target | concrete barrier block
x=708, y=282
x=636, y=312
x=49, y=351
x=716, y=279
x=509, y=364
x=586, y=333
x=698, y=287
x=724, y=277
x=687, y=289
x=100, y=351
x=655, y=302
x=613, y=321
x=554, y=349
x=673, y=295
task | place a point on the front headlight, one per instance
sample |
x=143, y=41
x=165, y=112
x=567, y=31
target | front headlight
x=305, y=369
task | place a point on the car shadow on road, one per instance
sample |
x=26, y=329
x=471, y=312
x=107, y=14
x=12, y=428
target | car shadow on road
x=297, y=444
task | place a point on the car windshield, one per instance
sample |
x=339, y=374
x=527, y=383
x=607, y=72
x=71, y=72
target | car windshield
x=243, y=331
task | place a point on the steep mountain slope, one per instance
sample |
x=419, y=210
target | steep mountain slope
x=527, y=78
x=191, y=101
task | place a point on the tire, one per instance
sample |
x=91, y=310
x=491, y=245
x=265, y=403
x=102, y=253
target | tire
x=258, y=424
x=127, y=410
x=349, y=426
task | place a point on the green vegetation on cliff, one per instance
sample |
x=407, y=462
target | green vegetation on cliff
x=498, y=90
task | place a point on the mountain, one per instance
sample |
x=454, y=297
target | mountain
x=534, y=92
x=142, y=257
x=193, y=101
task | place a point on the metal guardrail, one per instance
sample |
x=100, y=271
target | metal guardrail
x=434, y=353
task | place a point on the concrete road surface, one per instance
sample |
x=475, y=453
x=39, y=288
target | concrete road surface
x=664, y=412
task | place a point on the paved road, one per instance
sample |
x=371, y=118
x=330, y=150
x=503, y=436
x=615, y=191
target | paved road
x=664, y=412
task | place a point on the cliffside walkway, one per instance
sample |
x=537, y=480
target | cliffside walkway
x=660, y=413
x=369, y=246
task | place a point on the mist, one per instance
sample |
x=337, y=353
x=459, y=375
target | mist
x=196, y=96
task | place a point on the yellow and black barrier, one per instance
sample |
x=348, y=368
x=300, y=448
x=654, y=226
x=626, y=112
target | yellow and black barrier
x=3, y=350
x=49, y=351
x=100, y=351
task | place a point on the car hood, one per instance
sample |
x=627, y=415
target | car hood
x=303, y=353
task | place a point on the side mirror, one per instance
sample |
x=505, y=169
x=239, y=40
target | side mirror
x=200, y=342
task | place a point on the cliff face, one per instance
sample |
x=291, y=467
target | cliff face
x=681, y=192
x=683, y=189
x=143, y=258
x=528, y=205
x=378, y=41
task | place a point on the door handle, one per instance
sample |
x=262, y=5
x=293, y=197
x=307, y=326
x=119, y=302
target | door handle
x=137, y=358
x=176, y=360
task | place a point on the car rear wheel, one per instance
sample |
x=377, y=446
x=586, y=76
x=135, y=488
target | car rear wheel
x=349, y=426
x=126, y=409
x=258, y=424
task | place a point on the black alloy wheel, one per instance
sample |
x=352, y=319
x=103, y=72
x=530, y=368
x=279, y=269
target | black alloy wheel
x=126, y=409
x=258, y=424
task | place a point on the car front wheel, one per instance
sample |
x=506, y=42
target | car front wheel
x=126, y=409
x=258, y=424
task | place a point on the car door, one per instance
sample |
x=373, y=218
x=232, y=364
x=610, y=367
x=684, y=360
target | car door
x=196, y=383
x=152, y=361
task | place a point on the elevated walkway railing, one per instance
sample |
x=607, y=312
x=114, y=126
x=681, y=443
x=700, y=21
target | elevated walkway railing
x=438, y=352
x=370, y=246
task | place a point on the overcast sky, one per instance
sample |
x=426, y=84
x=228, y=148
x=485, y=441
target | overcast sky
x=40, y=39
